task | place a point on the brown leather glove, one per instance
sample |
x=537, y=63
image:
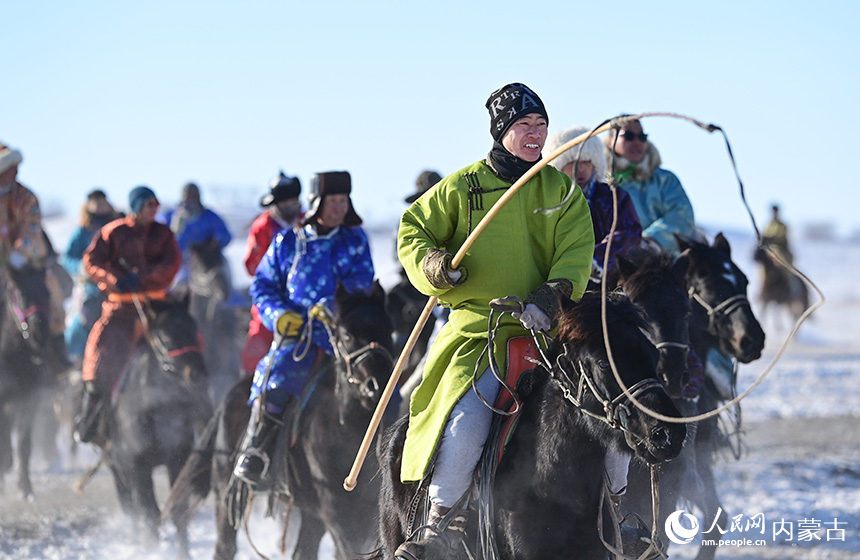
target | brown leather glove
x=549, y=295
x=437, y=268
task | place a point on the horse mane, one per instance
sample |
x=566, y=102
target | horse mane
x=642, y=279
x=580, y=321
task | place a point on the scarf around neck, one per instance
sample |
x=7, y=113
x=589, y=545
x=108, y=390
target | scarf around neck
x=507, y=166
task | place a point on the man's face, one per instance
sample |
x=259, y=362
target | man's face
x=147, y=211
x=632, y=142
x=583, y=171
x=334, y=209
x=289, y=209
x=526, y=137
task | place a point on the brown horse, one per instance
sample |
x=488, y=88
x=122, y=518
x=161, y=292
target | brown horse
x=780, y=288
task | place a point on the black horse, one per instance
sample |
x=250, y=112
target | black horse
x=405, y=304
x=210, y=290
x=24, y=335
x=780, y=288
x=722, y=319
x=327, y=434
x=547, y=488
x=158, y=399
x=655, y=282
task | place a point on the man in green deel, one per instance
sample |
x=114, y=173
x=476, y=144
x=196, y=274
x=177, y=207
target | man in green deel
x=541, y=257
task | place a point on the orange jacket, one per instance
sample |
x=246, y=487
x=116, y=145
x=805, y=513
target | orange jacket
x=122, y=246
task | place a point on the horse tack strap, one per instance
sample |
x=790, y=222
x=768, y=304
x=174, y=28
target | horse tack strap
x=129, y=298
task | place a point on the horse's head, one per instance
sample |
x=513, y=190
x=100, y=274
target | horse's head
x=28, y=307
x=176, y=340
x=404, y=305
x=587, y=372
x=718, y=297
x=656, y=284
x=362, y=333
x=209, y=272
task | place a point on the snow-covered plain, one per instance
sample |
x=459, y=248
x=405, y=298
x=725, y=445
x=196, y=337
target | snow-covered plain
x=801, y=465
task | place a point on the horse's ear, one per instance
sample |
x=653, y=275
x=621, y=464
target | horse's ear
x=377, y=292
x=722, y=244
x=625, y=267
x=340, y=293
x=680, y=267
x=683, y=242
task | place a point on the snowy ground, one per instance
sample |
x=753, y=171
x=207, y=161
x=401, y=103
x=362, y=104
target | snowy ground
x=800, y=468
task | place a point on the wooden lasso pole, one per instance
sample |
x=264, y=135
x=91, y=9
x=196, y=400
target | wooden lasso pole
x=351, y=479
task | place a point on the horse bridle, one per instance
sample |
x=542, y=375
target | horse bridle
x=722, y=309
x=22, y=315
x=616, y=411
x=352, y=359
x=349, y=360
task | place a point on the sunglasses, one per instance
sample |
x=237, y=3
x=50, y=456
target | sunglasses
x=631, y=136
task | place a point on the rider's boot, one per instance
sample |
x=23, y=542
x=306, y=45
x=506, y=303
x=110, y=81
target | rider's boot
x=87, y=422
x=255, y=455
x=444, y=537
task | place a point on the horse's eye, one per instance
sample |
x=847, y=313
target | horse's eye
x=603, y=364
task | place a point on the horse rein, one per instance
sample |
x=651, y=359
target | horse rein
x=342, y=355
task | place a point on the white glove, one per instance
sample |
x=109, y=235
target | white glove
x=17, y=260
x=454, y=275
x=596, y=271
x=533, y=319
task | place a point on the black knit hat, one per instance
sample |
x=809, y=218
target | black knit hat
x=424, y=181
x=324, y=184
x=509, y=103
x=281, y=188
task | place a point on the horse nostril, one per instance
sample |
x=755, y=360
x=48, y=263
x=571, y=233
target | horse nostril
x=660, y=437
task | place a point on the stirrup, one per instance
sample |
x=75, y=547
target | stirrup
x=241, y=470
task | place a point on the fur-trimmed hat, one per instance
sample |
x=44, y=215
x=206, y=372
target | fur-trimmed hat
x=324, y=184
x=591, y=150
x=422, y=184
x=9, y=158
x=509, y=103
x=281, y=187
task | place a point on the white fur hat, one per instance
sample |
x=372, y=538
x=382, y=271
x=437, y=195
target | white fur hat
x=9, y=158
x=592, y=150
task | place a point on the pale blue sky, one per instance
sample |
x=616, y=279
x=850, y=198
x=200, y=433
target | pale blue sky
x=116, y=94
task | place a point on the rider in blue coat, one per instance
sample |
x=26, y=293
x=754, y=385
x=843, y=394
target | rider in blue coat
x=661, y=203
x=297, y=279
x=194, y=224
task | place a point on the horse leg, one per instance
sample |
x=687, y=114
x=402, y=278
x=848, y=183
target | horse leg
x=5, y=447
x=707, y=499
x=310, y=534
x=179, y=515
x=143, y=498
x=26, y=415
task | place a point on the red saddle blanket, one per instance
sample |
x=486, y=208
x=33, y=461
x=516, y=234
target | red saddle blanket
x=520, y=350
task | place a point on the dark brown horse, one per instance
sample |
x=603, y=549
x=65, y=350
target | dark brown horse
x=547, y=488
x=158, y=400
x=721, y=319
x=327, y=434
x=780, y=288
x=24, y=336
